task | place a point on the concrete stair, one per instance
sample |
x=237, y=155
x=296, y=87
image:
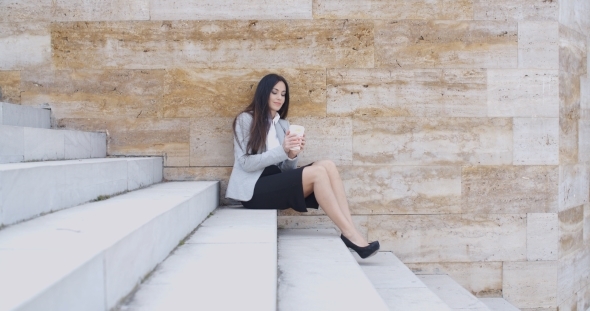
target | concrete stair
x=458, y=298
x=317, y=272
x=91, y=256
x=18, y=115
x=32, y=189
x=229, y=263
x=401, y=289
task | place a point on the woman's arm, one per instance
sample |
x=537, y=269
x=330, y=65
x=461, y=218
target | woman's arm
x=288, y=164
x=254, y=162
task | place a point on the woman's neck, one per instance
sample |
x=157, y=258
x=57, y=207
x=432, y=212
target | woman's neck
x=273, y=114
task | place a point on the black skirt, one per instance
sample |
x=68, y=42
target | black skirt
x=281, y=190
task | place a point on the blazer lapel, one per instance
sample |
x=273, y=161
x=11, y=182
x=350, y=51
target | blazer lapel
x=281, y=131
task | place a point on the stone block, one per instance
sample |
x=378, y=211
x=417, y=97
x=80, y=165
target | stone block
x=214, y=44
x=78, y=145
x=388, y=189
x=515, y=10
x=229, y=9
x=212, y=142
x=24, y=45
x=587, y=223
x=571, y=230
x=140, y=173
x=98, y=145
x=141, y=136
x=396, y=9
x=299, y=221
x=574, y=15
x=158, y=169
x=220, y=174
x=22, y=115
x=409, y=44
x=509, y=189
x=536, y=141
x=408, y=93
x=482, y=279
x=569, y=116
x=411, y=141
x=10, y=87
x=573, y=274
x=574, y=186
x=542, y=234
x=307, y=90
x=584, y=141
x=538, y=44
x=12, y=140
x=531, y=284
x=585, y=95
x=326, y=138
x=523, y=93
x=573, y=51
x=451, y=238
x=77, y=10
x=96, y=93
x=43, y=144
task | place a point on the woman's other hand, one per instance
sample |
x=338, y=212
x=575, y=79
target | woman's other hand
x=291, y=141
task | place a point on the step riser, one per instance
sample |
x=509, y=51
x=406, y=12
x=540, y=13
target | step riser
x=29, y=192
x=17, y=115
x=19, y=144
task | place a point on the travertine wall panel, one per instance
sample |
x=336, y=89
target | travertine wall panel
x=572, y=51
x=403, y=189
x=523, y=93
x=213, y=44
x=569, y=115
x=587, y=223
x=220, y=174
x=412, y=141
x=10, y=87
x=542, y=234
x=451, y=238
x=515, y=10
x=585, y=96
x=141, y=136
x=229, y=9
x=407, y=44
x=574, y=14
x=326, y=138
x=530, y=284
x=571, y=230
x=536, y=141
x=483, y=279
x=199, y=93
x=419, y=92
x=96, y=93
x=538, y=45
x=394, y=9
x=574, y=185
x=584, y=141
x=24, y=45
x=573, y=274
x=73, y=10
x=211, y=141
x=509, y=189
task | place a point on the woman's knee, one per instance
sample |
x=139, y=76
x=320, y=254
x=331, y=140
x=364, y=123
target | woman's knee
x=316, y=172
x=327, y=164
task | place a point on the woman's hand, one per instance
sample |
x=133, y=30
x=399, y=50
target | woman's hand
x=291, y=141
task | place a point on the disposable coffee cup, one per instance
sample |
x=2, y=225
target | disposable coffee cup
x=299, y=130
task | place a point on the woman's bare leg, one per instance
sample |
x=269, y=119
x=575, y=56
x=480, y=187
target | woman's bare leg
x=337, y=186
x=316, y=180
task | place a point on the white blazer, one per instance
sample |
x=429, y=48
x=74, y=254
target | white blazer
x=248, y=168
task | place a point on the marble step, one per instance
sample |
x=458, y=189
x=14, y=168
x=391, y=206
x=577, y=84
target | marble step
x=90, y=257
x=453, y=294
x=498, y=304
x=401, y=289
x=317, y=272
x=30, y=189
x=23, y=144
x=229, y=263
x=20, y=115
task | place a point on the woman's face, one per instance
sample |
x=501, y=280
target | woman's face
x=277, y=97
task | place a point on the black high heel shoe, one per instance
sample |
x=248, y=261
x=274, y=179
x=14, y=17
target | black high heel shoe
x=363, y=252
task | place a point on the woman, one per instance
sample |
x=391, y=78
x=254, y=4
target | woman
x=265, y=173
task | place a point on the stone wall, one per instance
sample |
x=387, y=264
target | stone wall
x=461, y=127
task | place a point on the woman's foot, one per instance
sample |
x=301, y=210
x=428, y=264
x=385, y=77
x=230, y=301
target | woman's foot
x=362, y=251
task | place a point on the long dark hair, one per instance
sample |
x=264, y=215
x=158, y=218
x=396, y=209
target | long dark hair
x=260, y=112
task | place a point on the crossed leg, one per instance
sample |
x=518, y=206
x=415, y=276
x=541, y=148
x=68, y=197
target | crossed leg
x=323, y=180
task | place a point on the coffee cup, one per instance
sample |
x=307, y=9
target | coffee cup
x=299, y=130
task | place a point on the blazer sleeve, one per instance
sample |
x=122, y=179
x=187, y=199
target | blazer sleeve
x=288, y=164
x=253, y=162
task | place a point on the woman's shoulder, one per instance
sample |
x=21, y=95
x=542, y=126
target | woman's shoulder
x=244, y=116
